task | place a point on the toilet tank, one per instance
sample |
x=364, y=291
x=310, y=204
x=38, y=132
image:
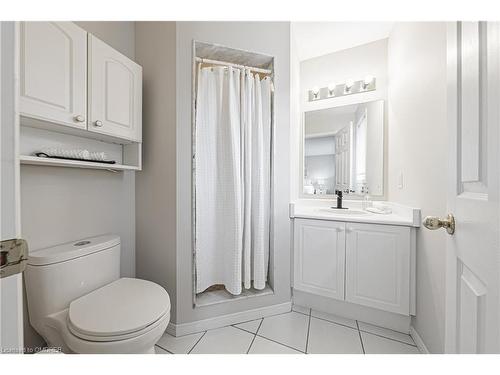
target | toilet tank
x=56, y=276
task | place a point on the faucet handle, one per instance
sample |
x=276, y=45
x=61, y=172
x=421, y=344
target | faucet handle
x=338, y=193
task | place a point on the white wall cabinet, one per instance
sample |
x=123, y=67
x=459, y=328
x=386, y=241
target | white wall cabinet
x=70, y=78
x=378, y=266
x=53, y=72
x=320, y=257
x=115, y=92
x=365, y=264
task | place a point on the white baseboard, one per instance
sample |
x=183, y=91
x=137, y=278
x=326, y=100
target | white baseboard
x=418, y=340
x=226, y=320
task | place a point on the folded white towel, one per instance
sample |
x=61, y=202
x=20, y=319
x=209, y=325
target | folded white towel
x=74, y=153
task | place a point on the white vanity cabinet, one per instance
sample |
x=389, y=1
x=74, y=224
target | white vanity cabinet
x=364, y=264
x=378, y=266
x=320, y=257
x=53, y=72
x=115, y=92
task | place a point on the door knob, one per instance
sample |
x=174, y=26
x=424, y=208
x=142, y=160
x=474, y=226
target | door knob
x=79, y=118
x=433, y=223
x=98, y=123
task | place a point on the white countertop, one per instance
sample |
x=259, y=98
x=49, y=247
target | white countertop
x=320, y=209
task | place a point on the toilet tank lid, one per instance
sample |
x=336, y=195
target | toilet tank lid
x=72, y=250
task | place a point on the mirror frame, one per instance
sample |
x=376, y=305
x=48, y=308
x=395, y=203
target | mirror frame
x=349, y=196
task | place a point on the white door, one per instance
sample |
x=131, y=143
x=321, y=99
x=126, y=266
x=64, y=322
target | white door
x=115, y=92
x=473, y=255
x=378, y=266
x=11, y=331
x=53, y=72
x=319, y=257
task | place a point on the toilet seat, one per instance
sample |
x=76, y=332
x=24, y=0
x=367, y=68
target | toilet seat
x=123, y=309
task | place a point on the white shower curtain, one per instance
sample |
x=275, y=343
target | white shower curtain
x=233, y=157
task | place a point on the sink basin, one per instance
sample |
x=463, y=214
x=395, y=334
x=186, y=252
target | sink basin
x=347, y=211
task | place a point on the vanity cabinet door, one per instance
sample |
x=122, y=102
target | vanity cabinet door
x=53, y=72
x=115, y=92
x=378, y=266
x=319, y=257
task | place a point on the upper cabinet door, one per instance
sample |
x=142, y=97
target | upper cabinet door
x=115, y=92
x=319, y=254
x=378, y=266
x=53, y=72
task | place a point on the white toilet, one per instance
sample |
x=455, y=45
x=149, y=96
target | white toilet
x=78, y=302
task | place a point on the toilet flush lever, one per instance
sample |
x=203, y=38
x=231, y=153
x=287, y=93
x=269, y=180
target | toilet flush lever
x=13, y=256
x=433, y=223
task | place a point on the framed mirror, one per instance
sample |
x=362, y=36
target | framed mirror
x=343, y=149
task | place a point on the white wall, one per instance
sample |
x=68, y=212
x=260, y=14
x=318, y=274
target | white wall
x=417, y=148
x=295, y=117
x=270, y=38
x=155, y=184
x=64, y=204
x=353, y=63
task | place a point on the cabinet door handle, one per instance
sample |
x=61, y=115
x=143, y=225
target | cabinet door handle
x=79, y=118
x=349, y=230
x=98, y=123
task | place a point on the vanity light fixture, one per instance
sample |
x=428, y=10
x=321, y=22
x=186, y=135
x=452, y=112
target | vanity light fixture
x=350, y=87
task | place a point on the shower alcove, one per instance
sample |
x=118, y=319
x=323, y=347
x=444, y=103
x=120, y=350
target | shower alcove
x=261, y=66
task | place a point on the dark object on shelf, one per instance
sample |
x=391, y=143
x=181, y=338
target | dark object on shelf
x=44, y=155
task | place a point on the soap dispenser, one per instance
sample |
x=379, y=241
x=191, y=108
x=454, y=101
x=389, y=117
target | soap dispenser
x=366, y=201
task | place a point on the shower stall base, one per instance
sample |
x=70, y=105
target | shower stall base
x=218, y=294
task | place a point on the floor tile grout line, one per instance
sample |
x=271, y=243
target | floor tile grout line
x=246, y=321
x=277, y=342
x=388, y=338
x=258, y=328
x=308, y=329
x=360, y=338
x=244, y=330
x=388, y=329
x=329, y=321
x=196, y=343
x=161, y=347
x=255, y=335
x=299, y=312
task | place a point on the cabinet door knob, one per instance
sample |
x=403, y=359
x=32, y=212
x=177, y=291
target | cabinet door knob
x=98, y=123
x=79, y=118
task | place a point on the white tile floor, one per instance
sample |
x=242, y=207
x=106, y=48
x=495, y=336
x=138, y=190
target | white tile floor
x=295, y=332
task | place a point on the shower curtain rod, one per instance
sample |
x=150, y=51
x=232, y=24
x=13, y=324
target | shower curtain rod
x=216, y=62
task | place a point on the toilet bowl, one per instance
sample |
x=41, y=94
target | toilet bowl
x=77, y=302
